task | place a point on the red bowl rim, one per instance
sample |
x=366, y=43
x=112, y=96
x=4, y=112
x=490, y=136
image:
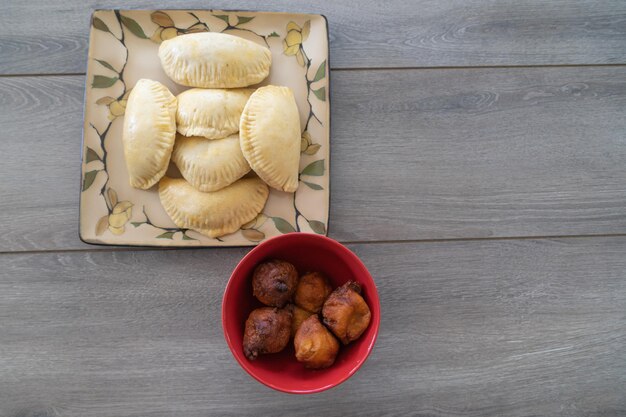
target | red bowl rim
x=376, y=322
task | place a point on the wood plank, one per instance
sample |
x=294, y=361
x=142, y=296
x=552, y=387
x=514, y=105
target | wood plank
x=478, y=153
x=50, y=36
x=490, y=328
x=416, y=154
x=40, y=146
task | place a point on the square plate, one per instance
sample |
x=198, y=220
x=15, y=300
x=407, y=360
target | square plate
x=123, y=48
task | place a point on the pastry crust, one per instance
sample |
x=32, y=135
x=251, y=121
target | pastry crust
x=315, y=346
x=346, y=313
x=270, y=136
x=274, y=282
x=149, y=132
x=214, y=60
x=313, y=289
x=267, y=330
x=213, y=114
x=216, y=213
x=210, y=165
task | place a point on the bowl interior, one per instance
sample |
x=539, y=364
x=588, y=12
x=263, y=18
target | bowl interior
x=307, y=253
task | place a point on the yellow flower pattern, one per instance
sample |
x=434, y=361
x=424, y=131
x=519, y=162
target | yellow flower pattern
x=306, y=144
x=251, y=230
x=163, y=33
x=118, y=216
x=292, y=44
x=166, y=29
x=117, y=107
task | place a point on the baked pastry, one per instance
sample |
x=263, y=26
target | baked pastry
x=315, y=346
x=274, y=282
x=149, y=132
x=214, y=60
x=313, y=289
x=216, y=213
x=267, y=330
x=346, y=313
x=270, y=136
x=210, y=165
x=213, y=114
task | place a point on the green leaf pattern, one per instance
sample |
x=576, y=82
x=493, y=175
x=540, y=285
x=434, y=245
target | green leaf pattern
x=314, y=168
x=134, y=27
x=89, y=178
x=283, y=225
x=166, y=235
x=106, y=64
x=222, y=17
x=91, y=155
x=100, y=81
x=100, y=25
x=320, y=93
x=321, y=72
x=243, y=19
x=313, y=186
x=318, y=227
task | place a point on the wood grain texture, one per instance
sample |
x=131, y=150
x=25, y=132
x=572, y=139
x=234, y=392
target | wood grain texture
x=478, y=153
x=518, y=328
x=415, y=155
x=40, y=146
x=51, y=36
x=469, y=328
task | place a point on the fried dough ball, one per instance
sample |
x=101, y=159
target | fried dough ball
x=274, y=282
x=316, y=347
x=299, y=315
x=346, y=313
x=267, y=330
x=311, y=292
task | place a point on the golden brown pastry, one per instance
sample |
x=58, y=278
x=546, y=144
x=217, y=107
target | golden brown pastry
x=274, y=282
x=209, y=165
x=346, y=313
x=267, y=331
x=315, y=346
x=270, y=136
x=210, y=113
x=299, y=315
x=313, y=289
x=148, y=133
x=216, y=213
x=214, y=60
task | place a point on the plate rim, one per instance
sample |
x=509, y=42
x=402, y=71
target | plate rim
x=99, y=242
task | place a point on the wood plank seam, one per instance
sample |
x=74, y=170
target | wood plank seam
x=64, y=74
x=104, y=248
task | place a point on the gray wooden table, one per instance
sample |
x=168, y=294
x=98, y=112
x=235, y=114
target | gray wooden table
x=479, y=170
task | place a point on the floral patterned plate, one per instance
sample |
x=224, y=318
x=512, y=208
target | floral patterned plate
x=123, y=49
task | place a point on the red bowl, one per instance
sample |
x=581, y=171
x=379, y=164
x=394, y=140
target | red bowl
x=307, y=252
